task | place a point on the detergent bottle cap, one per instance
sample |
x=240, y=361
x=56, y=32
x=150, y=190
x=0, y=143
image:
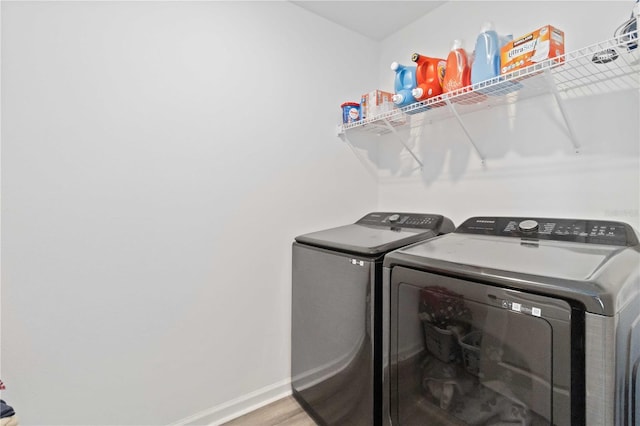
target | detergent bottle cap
x=397, y=98
x=417, y=92
x=457, y=44
x=394, y=66
x=486, y=26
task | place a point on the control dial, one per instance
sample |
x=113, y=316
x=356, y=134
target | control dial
x=528, y=226
x=394, y=218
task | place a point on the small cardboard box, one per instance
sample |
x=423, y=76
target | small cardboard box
x=542, y=44
x=375, y=103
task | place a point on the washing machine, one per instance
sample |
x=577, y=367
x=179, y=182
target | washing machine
x=336, y=317
x=512, y=320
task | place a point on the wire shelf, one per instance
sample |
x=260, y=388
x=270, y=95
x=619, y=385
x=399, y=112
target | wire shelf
x=572, y=75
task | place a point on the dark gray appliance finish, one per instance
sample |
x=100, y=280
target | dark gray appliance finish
x=378, y=233
x=527, y=320
x=336, y=348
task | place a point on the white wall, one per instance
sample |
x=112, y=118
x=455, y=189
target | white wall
x=158, y=159
x=531, y=168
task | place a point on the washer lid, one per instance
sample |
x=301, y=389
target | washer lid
x=600, y=271
x=378, y=233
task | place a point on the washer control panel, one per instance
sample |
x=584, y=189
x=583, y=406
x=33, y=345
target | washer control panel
x=575, y=230
x=402, y=220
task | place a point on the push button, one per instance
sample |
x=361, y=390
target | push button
x=528, y=226
x=394, y=218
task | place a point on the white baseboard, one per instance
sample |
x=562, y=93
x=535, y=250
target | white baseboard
x=323, y=372
x=244, y=404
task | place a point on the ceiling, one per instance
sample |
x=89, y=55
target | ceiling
x=373, y=19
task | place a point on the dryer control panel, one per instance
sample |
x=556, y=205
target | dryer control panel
x=574, y=230
x=402, y=220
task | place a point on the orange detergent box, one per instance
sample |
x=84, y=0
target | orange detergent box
x=542, y=44
x=375, y=103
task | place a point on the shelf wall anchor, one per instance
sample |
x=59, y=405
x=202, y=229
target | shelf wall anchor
x=342, y=134
x=556, y=94
x=393, y=130
x=464, y=128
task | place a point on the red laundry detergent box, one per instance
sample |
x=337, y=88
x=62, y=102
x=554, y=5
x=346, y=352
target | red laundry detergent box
x=542, y=44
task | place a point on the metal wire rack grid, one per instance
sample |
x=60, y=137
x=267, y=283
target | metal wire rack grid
x=572, y=75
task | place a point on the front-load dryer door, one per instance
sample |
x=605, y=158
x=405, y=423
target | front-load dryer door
x=474, y=354
x=332, y=338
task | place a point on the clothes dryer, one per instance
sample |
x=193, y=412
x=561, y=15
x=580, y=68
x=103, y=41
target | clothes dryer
x=336, y=318
x=510, y=320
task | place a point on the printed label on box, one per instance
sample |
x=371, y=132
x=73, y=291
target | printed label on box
x=542, y=44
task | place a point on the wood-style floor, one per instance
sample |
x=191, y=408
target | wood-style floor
x=284, y=412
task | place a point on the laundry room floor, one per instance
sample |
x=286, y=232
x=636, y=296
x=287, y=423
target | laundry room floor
x=284, y=412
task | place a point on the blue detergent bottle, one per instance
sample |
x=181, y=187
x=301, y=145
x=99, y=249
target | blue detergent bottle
x=405, y=82
x=486, y=62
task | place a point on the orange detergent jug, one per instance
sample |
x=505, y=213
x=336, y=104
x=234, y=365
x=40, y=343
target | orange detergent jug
x=458, y=72
x=429, y=76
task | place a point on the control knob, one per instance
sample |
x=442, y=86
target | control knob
x=394, y=218
x=528, y=225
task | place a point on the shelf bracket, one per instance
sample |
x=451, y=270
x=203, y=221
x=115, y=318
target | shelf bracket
x=393, y=130
x=556, y=94
x=342, y=134
x=464, y=128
